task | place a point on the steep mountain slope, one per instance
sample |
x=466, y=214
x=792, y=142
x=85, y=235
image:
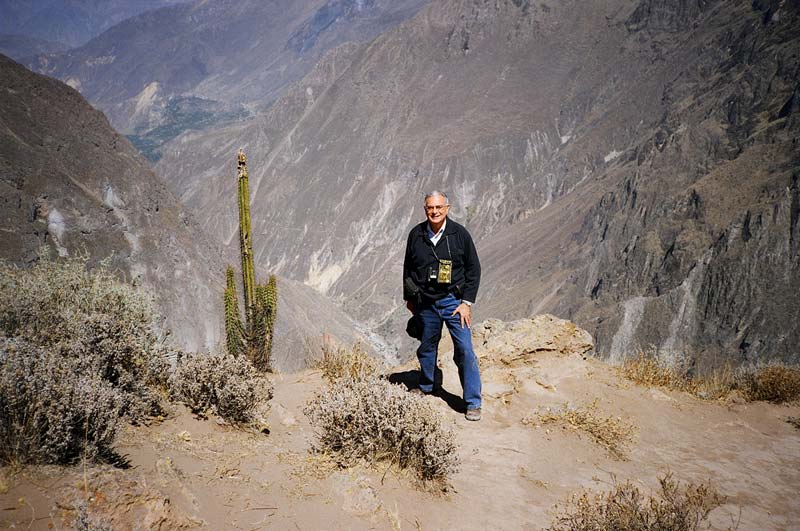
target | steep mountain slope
x=210, y=57
x=68, y=181
x=626, y=163
x=72, y=22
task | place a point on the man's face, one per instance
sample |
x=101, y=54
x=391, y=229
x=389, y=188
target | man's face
x=436, y=209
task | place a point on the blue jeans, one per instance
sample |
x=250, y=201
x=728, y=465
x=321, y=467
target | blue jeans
x=431, y=316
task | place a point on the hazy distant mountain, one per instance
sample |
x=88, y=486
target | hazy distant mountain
x=72, y=22
x=69, y=181
x=20, y=47
x=197, y=64
x=632, y=165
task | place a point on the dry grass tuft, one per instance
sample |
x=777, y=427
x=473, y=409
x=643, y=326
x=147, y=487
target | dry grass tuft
x=794, y=421
x=353, y=363
x=381, y=422
x=624, y=508
x=5, y=481
x=773, y=382
x=613, y=434
x=652, y=372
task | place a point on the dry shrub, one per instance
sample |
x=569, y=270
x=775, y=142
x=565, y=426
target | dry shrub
x=772, y=383
x=228, y=386
x=107, y=327
x=79, y=350
x=379, y=421
x=51, y=411
x=613, y=434
x=624, y=508
x=341, y=362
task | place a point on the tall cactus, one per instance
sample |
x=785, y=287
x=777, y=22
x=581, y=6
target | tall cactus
x=254, y=339
x=245, y=241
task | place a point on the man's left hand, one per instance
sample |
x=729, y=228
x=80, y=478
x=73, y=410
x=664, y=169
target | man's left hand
x=464, y=311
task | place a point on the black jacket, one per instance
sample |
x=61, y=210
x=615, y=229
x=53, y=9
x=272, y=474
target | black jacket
x=466, y=275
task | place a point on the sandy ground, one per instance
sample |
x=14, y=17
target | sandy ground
x=189, y=473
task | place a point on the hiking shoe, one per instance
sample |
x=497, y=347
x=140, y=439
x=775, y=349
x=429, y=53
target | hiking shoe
x=473, y=414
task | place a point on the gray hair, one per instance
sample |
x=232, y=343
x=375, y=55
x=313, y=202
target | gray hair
x=436, y=193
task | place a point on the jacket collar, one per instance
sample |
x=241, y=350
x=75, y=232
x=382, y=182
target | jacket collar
x=450, y=227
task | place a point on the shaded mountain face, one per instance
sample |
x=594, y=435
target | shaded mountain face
x=631, y=165
x=72, y=22
x=213, y=60
x=69, y=182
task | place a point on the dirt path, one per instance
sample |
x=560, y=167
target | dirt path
x=187, y=472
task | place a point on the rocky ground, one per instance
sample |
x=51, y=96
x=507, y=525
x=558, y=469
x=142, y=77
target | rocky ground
x=186, y=472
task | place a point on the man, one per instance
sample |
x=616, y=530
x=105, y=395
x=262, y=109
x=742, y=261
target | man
x=441, y=273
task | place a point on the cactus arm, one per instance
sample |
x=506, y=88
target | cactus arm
x=270, y=312
x=233, y=323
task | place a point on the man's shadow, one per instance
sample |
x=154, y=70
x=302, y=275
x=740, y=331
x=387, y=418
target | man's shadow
x=410, y=379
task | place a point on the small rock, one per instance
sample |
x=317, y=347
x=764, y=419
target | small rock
x=284, y=416
x=656, y=394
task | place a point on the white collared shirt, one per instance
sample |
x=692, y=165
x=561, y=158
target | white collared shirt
x=434, y=238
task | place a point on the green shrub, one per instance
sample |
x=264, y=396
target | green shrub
x=80, y=351
x=378, y=421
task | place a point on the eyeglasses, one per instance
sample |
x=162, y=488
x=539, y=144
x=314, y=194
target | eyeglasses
x=433, y=208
